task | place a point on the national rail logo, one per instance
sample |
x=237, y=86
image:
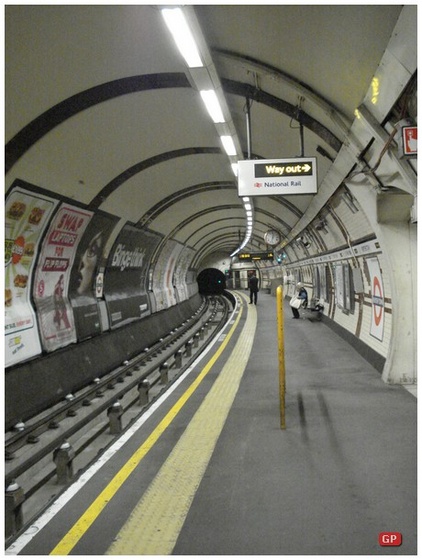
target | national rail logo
x=390, y=539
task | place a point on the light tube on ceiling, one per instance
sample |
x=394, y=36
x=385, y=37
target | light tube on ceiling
x=228, y=145
x=177, y=24
x=212, y=104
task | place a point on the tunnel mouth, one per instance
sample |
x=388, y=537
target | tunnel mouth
x=211, y=281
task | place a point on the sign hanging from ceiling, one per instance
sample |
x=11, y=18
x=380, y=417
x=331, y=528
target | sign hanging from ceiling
x=267, y=256
x=264, y=177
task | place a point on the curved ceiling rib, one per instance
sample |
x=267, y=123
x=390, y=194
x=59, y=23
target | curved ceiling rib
x=251, y=92
x=165, y=203
x=277, y=219
x=301, y=87
x=211, y=247
x=115, y=183
x=286, y=203
x=199, y=215
x=88, y=98
x=151, y=214
x=54, y=116
x=217, y=233
x=226, y=240
x=210, y=244
x=224, y=243
x=241, y=224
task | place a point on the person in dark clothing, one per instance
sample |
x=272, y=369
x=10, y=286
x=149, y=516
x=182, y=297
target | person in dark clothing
x=253, y=288
x=303, y=295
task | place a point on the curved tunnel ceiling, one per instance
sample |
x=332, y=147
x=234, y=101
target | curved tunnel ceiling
x=102, y=109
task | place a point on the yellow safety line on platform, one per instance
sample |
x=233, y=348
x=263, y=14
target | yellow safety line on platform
x=78, y=530
x=157, y=520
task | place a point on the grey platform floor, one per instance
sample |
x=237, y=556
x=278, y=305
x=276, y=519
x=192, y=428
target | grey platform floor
x=343, y=470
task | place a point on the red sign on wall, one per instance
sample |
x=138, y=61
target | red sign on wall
x=410, y=140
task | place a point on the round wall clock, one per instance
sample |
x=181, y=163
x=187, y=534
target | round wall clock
x=272, y=237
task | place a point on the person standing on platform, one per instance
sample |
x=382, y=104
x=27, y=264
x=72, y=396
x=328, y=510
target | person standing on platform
x=253, y=288
x=302, y=296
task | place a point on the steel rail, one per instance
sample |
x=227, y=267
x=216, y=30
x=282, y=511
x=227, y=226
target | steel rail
x=120, y=386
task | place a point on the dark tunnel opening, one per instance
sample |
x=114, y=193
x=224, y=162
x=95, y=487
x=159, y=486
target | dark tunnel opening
x=211, y=281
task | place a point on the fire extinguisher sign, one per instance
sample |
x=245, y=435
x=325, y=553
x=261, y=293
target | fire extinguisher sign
x=410, y=140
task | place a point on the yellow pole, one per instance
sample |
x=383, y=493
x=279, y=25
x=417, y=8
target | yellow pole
x=281, y=365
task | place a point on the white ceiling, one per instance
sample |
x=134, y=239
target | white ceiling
x=99, y=107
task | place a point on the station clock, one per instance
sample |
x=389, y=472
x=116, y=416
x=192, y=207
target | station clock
x=272, y=237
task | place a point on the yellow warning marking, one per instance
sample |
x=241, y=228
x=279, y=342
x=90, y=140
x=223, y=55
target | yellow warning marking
x=78, y=530
x=156, y=521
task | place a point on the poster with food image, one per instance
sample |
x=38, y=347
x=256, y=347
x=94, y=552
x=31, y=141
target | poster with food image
x=57, y=327
x=26, y=217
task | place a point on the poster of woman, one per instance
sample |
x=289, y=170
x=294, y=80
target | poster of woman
x=86, y=270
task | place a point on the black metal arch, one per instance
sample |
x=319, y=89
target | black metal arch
x=274, y=217
x=194, y=217
x=215, y=222
x=251, y=92
x=224, y=243
x=73, y=105
x=277, y=72
x=210, y=210
x=115, y=183
x=167, y=202
x=281, y=200
x=201, y=213
x=218, y=232
x=186, y=222
x=219, y=243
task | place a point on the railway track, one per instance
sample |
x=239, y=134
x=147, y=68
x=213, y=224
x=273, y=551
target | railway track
x=44, y=455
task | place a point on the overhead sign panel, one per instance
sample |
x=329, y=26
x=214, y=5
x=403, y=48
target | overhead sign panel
x=267, y=256
x=264, y=177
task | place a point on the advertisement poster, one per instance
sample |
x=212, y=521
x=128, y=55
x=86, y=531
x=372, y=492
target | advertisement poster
x=26, y=217
x=58, y=252
x=126, y=275
x=163, y=288
x=377, y=294
x=339, y=285
x=86, y=279
x=181, y=272
x=323, y=292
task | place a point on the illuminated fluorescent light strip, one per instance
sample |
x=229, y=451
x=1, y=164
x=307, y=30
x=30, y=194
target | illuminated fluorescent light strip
x=228, y=145
x=179, y=28
x=176, y=22
x=212, y=104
